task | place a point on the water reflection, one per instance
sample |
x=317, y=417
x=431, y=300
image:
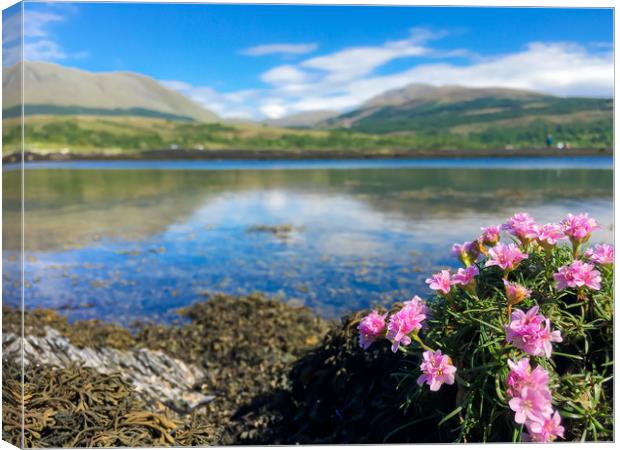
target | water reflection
x=130, y=244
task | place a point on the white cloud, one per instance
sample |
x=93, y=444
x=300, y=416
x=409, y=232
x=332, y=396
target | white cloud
x=355, y=62
x=556, y=68
x=35, y=23
x=344, y=79
x=273, y=109
x=39, y=42
x=43, y=50
x=284, y=75
x=283, y=49
x=231, y=104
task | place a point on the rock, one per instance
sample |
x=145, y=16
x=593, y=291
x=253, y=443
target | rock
x=155, y=376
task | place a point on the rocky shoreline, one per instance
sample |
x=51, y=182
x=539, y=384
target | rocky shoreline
x=246, y=370
x=243, y=154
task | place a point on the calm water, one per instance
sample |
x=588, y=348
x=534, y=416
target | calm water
x=138, y=240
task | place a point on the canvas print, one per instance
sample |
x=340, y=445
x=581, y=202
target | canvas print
x=306, y=224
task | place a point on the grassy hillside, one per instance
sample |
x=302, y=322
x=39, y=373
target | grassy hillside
x=32, y=110
x=490, y=112
x=90, y=134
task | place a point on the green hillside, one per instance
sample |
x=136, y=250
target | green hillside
x=55, y=110
x=436, y=116
x=91, y=134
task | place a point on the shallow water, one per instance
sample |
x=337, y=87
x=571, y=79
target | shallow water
x=135, y=240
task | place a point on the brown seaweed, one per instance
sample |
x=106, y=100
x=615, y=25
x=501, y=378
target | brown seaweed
x=246, y=345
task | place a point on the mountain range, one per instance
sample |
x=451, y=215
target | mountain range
x=418, y=115
x=425, y=108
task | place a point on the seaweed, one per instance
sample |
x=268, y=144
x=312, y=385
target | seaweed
x=82, y=333
x=338, y=394
x=246, y=345
x=77, y=407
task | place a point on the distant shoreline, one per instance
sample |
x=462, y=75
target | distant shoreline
x=190, y=154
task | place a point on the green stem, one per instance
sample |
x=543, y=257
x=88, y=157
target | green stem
x=422, y=344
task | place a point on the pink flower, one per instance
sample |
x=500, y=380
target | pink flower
x=440, y=282
x=436, y=370
x=549, y=234
x=505, y=256
x=531, y=332
x=578, y=274
x=579, y=228
x=546, y=337
x=545, y=429
x=521, y=376
x=410, y=318
x=467, y=252
x=530, y=404
x=515, y=293
x=602, y=254
x=490, y=235
x=371, y=327
x=465, y=277
x=521, y=225
x=531, y=401
x=518, y=376
x=519, y=320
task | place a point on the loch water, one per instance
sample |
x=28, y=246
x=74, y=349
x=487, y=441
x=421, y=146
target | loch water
x=123, y=241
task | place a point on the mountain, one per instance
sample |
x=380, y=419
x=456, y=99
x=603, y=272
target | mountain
x=58, y=90
x=302, y=120
x=444, y=94
x=422, y=108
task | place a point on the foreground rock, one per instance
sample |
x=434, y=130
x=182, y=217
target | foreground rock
x=232, y=351
x=157, y=378
x=256, y=371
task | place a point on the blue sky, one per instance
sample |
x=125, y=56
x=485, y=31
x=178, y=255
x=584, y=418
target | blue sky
x=270, y=61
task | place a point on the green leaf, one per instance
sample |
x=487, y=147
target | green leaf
x=450, y=416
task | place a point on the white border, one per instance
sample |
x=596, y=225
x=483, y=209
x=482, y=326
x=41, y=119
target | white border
x=472, y=3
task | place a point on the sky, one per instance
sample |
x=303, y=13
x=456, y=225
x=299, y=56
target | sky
x=269, y=61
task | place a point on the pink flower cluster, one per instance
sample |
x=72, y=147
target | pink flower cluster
x=440, y=281
x=531, y=401
x=490, y=235
x=465, y=277
x=507, y=257
x=579, y=228
x=548, y=235
x=531, y=332
x=437, y=369
x=522, y=226
x=602, y=254
x=576, y=275
x=371, y=328
x=409, y=319
x=443, y=282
